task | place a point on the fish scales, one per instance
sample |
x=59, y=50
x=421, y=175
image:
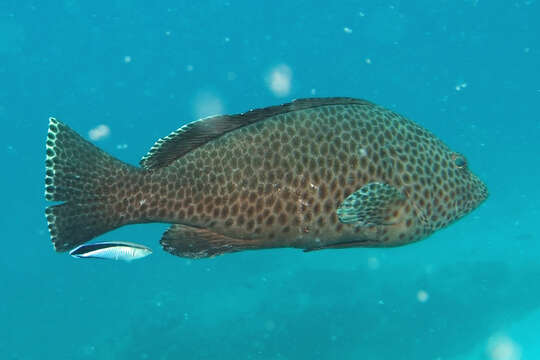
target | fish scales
x=313, y=174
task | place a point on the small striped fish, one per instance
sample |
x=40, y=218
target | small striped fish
x=119, y=250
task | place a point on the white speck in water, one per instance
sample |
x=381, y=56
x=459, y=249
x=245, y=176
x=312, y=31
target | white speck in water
x=368, y=61
x=122, y=146
x=313, y=91
x=380, y=302
x=502, y=347
x=189, y=68
x=422, y=296
x=461, y=86
x=89, y=350
x=347, y=30
x=127, y=59
x=361, y=14
x=279, y=80
x=207, y=103
x=99, y=132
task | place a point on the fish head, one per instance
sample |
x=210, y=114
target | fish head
x=447, y=191
x=463, y=191
x=450, y=189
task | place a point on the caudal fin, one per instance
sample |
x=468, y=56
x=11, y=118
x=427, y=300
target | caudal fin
x=88, y=181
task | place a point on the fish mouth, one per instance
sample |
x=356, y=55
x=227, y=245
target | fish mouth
x=483, y=191
x=480, y=194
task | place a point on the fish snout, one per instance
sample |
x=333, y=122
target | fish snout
x=479, y=191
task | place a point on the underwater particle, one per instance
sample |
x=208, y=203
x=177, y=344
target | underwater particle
x=502, y=347
x=127, y=59
x=121, y=146
x=167, y=33
x=99, y=132
x=313, y=91
x=373, y=263
x=347, y=30
x=88, y=350
x=461, y=86
x=422, y=296
x=206, y=104
x=279, y=80
x=189, y=68
x=368, y=61
x=227, y=39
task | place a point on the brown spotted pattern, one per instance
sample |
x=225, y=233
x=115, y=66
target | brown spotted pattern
x=278, y=182
x=281, y=180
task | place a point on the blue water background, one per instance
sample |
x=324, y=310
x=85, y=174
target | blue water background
x=468, y=70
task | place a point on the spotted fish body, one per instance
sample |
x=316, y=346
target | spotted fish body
x=311, y=174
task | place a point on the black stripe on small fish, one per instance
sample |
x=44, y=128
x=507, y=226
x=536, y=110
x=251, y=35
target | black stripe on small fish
x=117, y=250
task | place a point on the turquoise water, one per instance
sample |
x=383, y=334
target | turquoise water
x=468, y=70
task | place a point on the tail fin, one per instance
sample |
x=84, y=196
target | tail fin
x=89, y=183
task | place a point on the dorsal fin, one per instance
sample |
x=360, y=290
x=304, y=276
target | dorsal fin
x=197, y=133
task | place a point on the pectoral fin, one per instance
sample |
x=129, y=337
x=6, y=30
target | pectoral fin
x=193, y=242
x=373, y=204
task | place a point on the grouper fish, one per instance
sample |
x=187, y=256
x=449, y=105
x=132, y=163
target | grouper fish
x=312, y=174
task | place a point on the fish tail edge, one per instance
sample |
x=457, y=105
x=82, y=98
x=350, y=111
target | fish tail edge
x=82, y=177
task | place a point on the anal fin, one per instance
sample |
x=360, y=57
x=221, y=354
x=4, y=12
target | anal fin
x=196, y=243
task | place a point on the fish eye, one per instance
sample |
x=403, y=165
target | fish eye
x=459, y=161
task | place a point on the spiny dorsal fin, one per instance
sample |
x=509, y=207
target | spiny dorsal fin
x=197, y=133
